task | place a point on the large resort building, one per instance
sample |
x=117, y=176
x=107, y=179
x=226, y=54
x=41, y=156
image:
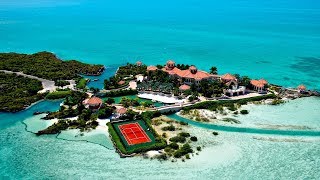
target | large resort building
x=193, y=75
x=188, y=76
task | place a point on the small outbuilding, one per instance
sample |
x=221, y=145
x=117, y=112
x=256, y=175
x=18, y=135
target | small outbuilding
x=93, y=103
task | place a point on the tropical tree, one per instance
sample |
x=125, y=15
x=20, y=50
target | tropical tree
x=213, y=70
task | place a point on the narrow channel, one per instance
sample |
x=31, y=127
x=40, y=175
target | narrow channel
x=246, y=129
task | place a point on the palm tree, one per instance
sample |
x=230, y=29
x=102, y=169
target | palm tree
x=213, y=70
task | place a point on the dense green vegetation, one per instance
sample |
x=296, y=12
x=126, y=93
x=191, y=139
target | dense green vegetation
x=178, y=139
x=46, y=65
x=72, y=107
x=105, y=112
x=81, y=83
x=214, y=105
x=123, y=92
x=17, y=92
x=61, y=83
x=110, y=101
x=126, y=102
x=114, y=82
x=68, y=124
x=124, y=74
x=168, y=128
x=58, y=94
x=73, y=99
x=131, y=69
x=277, y=101
x=184, y=150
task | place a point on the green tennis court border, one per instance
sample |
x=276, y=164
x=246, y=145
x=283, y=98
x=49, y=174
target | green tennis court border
x=135, y=146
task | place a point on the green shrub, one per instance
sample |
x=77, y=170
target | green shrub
x=187, y=156
x=179, y=139
x=61, y=83
x=193, y=138
x=168, y=128
x=185, y=149
x=110, y=101
x=198, y=148
x=184, y=134
x=174, y=145
x=183, y=123
x=244, y=111
x=162, y=157
x=215, y=133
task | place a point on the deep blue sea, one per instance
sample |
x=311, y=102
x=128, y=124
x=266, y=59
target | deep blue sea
x=278, y=40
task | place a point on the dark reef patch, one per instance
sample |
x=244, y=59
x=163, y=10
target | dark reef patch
x=307, y=65
x=263, y=62
x=286, y=78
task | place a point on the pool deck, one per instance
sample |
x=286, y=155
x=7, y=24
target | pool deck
x=160, y=98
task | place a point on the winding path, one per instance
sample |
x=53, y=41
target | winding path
x=47, y=85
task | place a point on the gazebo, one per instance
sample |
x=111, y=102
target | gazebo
x=302, y=88
x=259, y=85
x=184, y=87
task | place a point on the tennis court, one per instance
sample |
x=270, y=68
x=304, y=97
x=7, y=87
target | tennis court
x=134, y=133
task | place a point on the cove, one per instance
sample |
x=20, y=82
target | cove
x=8, y=119
x=245, y=129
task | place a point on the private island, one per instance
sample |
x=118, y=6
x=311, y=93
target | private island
x=135, y=101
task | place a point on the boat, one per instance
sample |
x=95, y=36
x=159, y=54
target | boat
x=95, y=80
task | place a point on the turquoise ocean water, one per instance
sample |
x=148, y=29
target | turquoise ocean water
x=275, y=40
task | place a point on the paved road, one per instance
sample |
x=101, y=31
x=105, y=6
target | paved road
x=47, y=85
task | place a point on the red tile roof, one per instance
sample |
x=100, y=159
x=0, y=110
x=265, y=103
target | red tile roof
x=302, y=87
x=184, y=87
x=139, y=63
x=94, y=101
x=121, y=110
x=263, y=81
x=198, y=75
x=121, y=82
x=259, y=83
x=152, y=68
x=228, y=77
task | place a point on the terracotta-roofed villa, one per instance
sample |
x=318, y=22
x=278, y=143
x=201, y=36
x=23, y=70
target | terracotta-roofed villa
x=152, y=68
x=259, y=85
x=93, y=103
x=302, y=88
x=233, y=87
x=188, y=76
